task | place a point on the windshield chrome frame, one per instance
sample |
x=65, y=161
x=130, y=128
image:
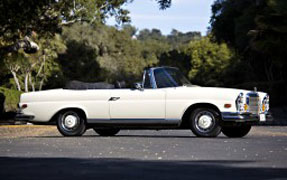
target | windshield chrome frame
x=152, y=76
x=153, y=81
x=154, y=85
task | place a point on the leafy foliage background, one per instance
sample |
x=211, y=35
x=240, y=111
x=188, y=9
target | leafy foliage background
x=245, y=46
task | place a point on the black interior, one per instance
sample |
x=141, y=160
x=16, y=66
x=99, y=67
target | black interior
x=78, y=85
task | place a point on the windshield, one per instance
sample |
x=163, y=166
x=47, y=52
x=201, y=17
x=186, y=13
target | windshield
x=170, y=77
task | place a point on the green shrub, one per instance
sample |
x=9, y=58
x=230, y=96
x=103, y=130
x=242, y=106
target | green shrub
x=12, y=98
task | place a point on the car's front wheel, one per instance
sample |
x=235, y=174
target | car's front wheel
x=237, y=131
x=204, y=122
x=71, y=123
x=106, y=132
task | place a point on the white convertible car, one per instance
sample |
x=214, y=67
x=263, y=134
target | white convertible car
x=164, y=99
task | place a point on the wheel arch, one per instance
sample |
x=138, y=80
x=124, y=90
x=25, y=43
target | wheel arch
x=81, y=112
x=191, y=108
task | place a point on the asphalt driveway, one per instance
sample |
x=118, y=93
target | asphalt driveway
x=40, y=152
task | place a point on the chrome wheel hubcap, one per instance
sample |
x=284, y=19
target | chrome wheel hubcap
x=70, y=121
x=205, y=121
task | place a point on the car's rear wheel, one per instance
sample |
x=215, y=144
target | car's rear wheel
x=204, y=122
x=106, y=132
x=237, y=131
x=71, y=123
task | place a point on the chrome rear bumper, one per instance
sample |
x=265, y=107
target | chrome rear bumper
x=23, y=117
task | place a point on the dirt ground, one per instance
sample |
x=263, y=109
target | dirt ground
x=15, y=131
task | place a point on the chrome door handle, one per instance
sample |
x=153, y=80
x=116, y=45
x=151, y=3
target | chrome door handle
x=114, y=98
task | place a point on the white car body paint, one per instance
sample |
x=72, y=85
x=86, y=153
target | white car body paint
x=162, y=103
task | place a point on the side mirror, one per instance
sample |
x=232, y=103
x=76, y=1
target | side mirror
x=138, y=86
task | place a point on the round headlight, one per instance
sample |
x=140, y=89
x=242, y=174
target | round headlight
x=240, y=102
x=265, y=104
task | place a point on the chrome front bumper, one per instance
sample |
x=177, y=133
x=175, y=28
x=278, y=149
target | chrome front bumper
x=243, y=117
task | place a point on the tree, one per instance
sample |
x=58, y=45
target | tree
x=257, y=30
x=85, y=43
x=208, y=61
x=177, y=38
x=269, y=37
x=154, y=34
x=176, y=57
x=168, y=50
x=114, y=54
x=232, y=20
x=19, y=18
x=46, y=65
x=131, y=30
x=32, y=70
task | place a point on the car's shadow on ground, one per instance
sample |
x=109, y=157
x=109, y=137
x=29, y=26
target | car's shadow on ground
x=113, y=168
x=117, y=136
x=131, y=136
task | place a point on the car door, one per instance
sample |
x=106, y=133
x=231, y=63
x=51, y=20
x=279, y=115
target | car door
x=135, y=104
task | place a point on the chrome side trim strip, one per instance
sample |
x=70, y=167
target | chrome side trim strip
x=134, y=121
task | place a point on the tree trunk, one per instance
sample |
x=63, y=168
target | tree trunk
x=31, y=82
x=16, y=80
x=26, y=82
x=40, y=74
x=41, y=84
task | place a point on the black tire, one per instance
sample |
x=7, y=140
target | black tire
x=66, y=128
x=106, y=132
x=237, y=131
x=201, y=129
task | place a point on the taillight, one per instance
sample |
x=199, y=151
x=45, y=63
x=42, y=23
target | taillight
x=24, y=106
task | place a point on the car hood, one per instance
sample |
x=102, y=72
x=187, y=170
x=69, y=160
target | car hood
x=214, y=92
